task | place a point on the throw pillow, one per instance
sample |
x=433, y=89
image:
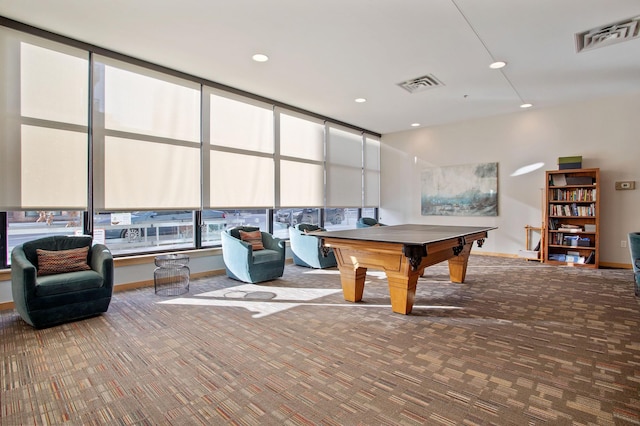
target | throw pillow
x=59, y=261
x=254, y=238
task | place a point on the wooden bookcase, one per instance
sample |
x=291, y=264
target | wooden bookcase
x=572, y=218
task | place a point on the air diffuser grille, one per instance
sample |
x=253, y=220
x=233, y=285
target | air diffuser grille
x=609, y=34
x=421, y=83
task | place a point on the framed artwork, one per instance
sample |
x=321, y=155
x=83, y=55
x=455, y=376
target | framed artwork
x=461, y=190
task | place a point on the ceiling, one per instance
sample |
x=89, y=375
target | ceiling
x=325, y=54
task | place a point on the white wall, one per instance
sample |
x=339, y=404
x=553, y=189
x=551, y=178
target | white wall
x=605, y=132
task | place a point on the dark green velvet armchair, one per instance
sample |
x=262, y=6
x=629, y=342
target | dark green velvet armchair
x=306, y=249
x=243, y=263
x=58, y=297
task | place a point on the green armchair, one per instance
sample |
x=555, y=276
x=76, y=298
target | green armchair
x=306, y=248
x=634, y=249
x=365, y=222
x=252, y=260
x=60, y=278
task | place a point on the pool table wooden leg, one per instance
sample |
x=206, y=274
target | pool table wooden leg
x=402, y=290
x=458, y=264
x=352, y=283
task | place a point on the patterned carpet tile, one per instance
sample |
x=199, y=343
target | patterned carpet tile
x=519, y=343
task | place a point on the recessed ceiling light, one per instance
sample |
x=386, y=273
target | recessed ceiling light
x=497, y=65
x=361, y=100
x=259, y=57
x=415, y=124
x=526, y=105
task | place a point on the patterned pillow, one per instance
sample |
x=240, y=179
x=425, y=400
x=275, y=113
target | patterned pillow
x=59, y=261
x=254, y=238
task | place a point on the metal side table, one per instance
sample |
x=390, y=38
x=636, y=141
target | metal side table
x=171, y=277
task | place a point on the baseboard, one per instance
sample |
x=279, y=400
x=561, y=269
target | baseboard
x=612, y=265
x=486, y=253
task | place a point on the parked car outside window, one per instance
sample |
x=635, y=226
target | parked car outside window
x=333, y=216
x=121, y=225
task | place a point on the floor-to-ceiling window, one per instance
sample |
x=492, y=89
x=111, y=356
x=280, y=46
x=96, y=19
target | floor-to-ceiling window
x=44, y=137
x=148, y=159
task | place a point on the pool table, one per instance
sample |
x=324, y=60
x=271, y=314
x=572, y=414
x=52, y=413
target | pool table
x=402, y=252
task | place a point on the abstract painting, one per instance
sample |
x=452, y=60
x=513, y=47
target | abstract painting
x=460, y=190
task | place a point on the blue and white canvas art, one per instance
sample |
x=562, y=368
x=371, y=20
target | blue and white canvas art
x=460, y=190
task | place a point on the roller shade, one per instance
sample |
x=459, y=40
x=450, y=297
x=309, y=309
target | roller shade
x=43, y=124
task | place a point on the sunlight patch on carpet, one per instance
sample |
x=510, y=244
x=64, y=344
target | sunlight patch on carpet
x=266, y=300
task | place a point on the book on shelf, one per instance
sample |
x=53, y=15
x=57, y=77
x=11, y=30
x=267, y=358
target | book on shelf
x=573, y=230
x=569, y=258
x=559, y=179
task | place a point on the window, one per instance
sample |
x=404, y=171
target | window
x=371, y=182
x=147, y=128
x=301, y=161
x=336, y=219
x=238, y=158
x=165, y=162
x=140, y=231
x=216, y=221
x=146, y=158
x=43, y=124
x=344, y=168
x=23, y=226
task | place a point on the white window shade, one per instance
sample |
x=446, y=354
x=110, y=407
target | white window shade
x=371, y=172
x=344, y=169
x=147, y=153
x=43, y=124
x=53, y=169
x=137, y=101
x=301, y=184
x=301, y=161
x=239, y=180
x=241, y=125
x=53, y=86
x=301, y=138
x=142, y=175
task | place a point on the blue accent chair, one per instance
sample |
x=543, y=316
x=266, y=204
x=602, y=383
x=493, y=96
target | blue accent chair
x=306, y=248
x=47, y=300
x=634, y=249
x=365, y=222
x=242, y=263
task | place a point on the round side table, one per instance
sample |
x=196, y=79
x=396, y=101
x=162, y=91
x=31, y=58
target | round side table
x=171, y=277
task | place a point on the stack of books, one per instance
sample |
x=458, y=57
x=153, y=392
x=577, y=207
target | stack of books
x=565, y=227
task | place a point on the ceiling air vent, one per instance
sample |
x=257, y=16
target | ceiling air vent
x=421, y=83
x=608, y=34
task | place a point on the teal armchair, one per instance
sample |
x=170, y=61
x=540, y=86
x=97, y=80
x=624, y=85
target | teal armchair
x=53, y=287
x=365, y=222
x=634, y=249
x=243, y=263
x=307, y=250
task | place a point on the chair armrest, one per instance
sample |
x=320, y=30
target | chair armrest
x=23, y=277
x=102, y=262
x=273, y=243
x=233, y=248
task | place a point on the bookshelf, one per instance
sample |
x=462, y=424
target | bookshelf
x=572, y=218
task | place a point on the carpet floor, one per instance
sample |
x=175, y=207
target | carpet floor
x=519, y=343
